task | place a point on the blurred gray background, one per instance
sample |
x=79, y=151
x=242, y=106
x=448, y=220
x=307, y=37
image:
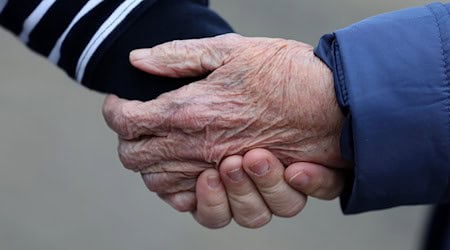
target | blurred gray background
x=62, y=186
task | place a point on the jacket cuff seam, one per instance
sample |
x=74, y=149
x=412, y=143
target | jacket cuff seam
x=448, y=104
x=445, y=62
x=448, y=87
x=340, y=76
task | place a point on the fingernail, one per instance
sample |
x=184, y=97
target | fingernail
x=213, y=182
x=300, y=180
x=138, y=54
x=260, y=168
x=236, y=175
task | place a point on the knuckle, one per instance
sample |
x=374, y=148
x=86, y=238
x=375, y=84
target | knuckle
x=127, y=155
x=329, y=188
x=234, y=37
x=169, y=183
x=108, y=108
x=131, y=111
x=142, y=155
x=181, y=204
x=273, y=189
x=216, y=205
x=218, y=224
x=214, y=155
x=241, y=196
x=315, y=185
x=182, y=208
x=176, y=46
x=127, y=120
x=152, y=182
x=187, y=117
x=213, y=217
x=291, y=210
x=107, y=112
x=257, y=222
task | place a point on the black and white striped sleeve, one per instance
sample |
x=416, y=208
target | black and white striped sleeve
x=67, y=32
x=85, y=37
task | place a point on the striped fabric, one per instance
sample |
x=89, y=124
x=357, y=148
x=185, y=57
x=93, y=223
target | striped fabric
x=68, y=32
x=2, y=5
x=35, y=17
x=102, y=33
x=55, y=54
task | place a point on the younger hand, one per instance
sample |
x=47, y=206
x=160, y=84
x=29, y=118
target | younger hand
x=252, y=188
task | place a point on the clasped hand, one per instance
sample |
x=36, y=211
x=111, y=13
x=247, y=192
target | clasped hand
x=262, y=104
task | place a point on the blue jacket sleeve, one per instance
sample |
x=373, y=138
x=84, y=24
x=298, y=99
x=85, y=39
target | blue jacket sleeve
x=392, y=80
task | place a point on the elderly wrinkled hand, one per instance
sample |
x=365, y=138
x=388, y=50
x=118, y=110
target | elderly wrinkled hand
x=258, y=93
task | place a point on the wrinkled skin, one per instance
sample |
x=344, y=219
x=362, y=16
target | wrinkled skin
x=258, y=93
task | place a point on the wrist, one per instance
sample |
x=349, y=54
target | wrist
x=333, y=112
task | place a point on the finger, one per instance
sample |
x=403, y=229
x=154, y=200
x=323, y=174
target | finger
x=267, y=172
x=316, y=180
x=182, y=201
x=171, y=111
x=212, y=210
x=158, y=154
x=247, y=205
x=187, y=58
x=132, y=119
x=116, y=112
x=169, y=183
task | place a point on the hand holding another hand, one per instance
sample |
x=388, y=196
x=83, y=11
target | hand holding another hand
x=252, y=198
x=258, y=93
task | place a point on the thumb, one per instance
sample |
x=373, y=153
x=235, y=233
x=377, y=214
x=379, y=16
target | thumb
x=185, y=58
x=316, y=180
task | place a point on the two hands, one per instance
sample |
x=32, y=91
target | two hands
x=218, y=147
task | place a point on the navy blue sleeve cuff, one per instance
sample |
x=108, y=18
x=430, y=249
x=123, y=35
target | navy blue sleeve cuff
x=391, y=76
x=328, y=51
